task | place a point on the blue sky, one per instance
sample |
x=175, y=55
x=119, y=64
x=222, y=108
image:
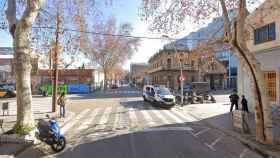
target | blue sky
x=123, y=11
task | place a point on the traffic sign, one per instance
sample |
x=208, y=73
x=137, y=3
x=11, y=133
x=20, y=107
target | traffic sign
x=182, y=78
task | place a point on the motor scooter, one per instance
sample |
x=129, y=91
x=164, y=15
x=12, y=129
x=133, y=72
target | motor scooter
x=49, y=132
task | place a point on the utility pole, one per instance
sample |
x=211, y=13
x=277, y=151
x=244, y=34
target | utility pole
x=55, y=64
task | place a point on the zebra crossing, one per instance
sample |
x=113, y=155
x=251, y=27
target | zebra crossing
x=122, y=119
x=39, y=106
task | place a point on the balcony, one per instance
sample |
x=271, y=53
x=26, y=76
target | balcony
x=174, y=67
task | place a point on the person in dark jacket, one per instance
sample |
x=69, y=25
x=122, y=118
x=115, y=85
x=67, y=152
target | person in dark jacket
x=234, y=98
x=62, y=102
x=244, y=104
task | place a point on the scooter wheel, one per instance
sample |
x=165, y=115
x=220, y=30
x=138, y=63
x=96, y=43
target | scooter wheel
x=59, y=145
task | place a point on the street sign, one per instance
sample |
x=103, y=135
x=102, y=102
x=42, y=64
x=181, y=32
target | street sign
x=182, y=78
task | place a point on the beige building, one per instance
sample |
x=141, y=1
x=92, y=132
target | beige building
x=165, y=69
x=138, y=73
x=264, y=41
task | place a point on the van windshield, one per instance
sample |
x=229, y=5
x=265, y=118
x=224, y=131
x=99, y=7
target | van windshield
x=163, y=91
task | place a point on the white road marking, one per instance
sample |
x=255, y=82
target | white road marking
x=211, y=146
x=187, y=118
x=174, y=117
x=104, y=118
x=168, y=129
x=147, y=117
x=160, y=116
x=117, y=117
x=201, y=132
x=132, y=117
x=67, y=126
x=242, y=155
x=90, y=119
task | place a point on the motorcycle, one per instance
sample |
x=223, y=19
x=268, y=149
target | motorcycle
x=49, y=132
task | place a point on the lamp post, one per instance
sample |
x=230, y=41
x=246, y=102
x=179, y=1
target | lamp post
x=181, y=70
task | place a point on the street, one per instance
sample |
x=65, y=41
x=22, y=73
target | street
x=117, y=123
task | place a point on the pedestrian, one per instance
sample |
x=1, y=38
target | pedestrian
x=244, y=104
x=62, y=102
x=234, y=98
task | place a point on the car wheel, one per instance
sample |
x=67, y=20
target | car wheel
x=7, y=95
x=144, y=98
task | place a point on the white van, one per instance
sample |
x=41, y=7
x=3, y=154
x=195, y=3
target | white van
x=158, y=95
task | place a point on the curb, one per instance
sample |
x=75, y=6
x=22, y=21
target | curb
x=13, y=138
x=251, y=145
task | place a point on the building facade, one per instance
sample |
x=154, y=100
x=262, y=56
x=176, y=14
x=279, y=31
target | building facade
x=264, y=41
x=139, y=74
x=165, y=69
x=92, y=77
x=215, y=30
x=6, y=61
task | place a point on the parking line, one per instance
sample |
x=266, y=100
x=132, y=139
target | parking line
x=242, y=155
x=211, y=146
x=201, y=132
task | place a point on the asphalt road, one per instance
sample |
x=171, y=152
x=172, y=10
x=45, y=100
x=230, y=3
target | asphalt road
x=118, y=124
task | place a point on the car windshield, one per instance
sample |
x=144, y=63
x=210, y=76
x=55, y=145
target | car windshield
x=163, y=91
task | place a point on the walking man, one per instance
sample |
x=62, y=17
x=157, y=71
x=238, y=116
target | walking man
x=244, y=104
x=234, y=98
x=62, y=102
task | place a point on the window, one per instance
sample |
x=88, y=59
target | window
x=265, y=34
x=270, y=80
x=169, y=63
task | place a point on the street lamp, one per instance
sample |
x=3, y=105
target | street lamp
x=181, y=69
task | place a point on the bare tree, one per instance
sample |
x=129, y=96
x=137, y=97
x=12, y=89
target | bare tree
x=19, y=29
x=109, y=50
x=32, y=27
x=168, y=16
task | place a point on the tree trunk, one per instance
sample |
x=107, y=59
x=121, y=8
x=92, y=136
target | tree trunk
x=19, y=30
x=105, y=79
x=23, y=78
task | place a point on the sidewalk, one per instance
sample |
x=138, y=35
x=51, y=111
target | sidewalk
x=11, y=145
x=217, y=116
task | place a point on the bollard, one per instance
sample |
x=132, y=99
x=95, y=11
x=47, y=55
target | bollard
x=5, y=107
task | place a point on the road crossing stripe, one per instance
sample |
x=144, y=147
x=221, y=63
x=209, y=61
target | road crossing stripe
x=147, y=116
x=132, y=116
x=117, y=117
x=67, y=126
x=188, y=119
x=104, y=118
x=90, y=119
x=160, y=116
x=174, y=117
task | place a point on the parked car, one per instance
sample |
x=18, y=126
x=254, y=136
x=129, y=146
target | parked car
x=158, y=95
x=6, y=93
x=8, y=86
